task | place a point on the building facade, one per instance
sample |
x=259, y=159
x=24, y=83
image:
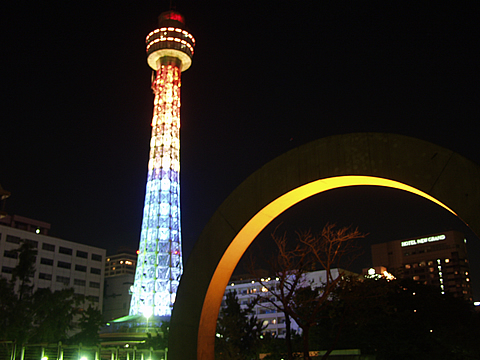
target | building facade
x=60, y=264
x=119, y=276
x=248, y=290
x=437, y=259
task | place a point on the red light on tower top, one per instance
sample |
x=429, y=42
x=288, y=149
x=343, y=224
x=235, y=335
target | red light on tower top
x=170, y=15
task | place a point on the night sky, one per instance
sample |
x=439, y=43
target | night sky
x=267, y=76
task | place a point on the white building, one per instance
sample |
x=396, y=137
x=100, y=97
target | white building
x=119, y=277
x=247, y=290
x=59, y=263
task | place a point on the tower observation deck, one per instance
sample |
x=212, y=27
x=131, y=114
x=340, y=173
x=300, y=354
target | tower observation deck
x=159, y=267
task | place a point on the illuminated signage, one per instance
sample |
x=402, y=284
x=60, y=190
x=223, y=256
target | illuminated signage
x=422, y=240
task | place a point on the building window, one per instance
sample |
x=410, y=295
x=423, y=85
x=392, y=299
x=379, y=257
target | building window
x=64, y=265
x=93, y=298
x=12, y=254
x=7, y=270
x=33, y=243
x=94, y=284
x=64, y=250
x=96, y=257
x=81, y=268
x=95, y=271
x=79, y=282
x=48, y=247
x=63, y=279
x=82, y=254
x=13, y=239
x=45, y=261
x=44, y=276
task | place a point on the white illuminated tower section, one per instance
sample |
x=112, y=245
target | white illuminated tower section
x=159, y=266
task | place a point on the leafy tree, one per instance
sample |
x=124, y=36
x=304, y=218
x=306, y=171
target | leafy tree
x=238, y=331
x=291, y=293
x=89, y=324
x=160, y=340
x=43, y=315
x=8, y=301
x=52, y=315
x=400, y=319
x=25, y=269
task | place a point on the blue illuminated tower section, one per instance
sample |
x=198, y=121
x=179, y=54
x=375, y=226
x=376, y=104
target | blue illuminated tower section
x=159, y=266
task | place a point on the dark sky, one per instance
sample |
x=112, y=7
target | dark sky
x=267, y=76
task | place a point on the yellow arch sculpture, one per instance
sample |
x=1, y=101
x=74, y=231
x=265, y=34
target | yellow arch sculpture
x=249, y=232
x=374, y=159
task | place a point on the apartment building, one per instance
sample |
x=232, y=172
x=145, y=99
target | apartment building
x=59, y=263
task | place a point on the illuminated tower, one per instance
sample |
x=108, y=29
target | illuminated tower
x=159, y=265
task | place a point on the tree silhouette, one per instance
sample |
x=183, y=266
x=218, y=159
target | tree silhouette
x=291, y=293
x=238, y=331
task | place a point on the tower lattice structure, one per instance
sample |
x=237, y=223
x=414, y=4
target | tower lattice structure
x=159, y=266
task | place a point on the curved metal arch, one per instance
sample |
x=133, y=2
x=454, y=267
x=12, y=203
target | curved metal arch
x=428, y=170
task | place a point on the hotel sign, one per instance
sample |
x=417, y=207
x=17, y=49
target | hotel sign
x=423, y=240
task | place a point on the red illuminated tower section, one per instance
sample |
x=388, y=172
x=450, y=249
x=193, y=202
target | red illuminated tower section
x=159, y=266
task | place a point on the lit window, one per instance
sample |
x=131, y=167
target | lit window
x=447, y=261
x=416, y=278
x=407, y=266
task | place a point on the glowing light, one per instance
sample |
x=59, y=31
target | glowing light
x=388, y=276
x=147, y=312
x=422, y=240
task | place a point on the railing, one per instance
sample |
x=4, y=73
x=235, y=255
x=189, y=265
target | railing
x=11, y=351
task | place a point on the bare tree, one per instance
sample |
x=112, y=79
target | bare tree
x=291, y=293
